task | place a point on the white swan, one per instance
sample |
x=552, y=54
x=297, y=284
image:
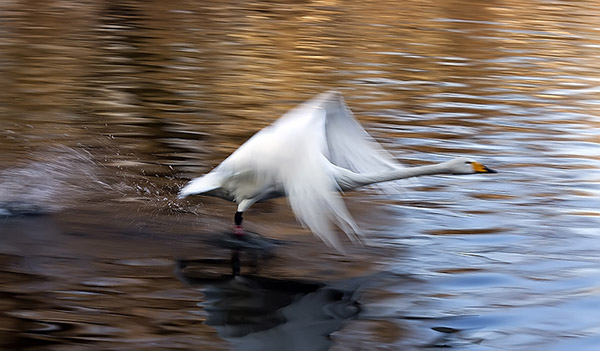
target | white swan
x=310, y=154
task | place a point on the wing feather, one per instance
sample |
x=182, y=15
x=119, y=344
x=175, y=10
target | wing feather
x=310, y=184
x=350, y=146
x=347, y=144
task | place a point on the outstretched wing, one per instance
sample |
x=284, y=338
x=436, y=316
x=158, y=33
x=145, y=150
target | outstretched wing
x=312, y=195
x=308, y=179
x=347, y=144
x=350, y=146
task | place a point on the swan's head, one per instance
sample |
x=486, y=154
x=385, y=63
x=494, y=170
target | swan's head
x=463, y=165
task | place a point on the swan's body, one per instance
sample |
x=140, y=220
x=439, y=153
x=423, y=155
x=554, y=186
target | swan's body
x=309, y=155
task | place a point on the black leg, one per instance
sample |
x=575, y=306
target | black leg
x=238, y=218
x=239, y=230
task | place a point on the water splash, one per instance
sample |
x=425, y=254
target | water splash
x=52, y=180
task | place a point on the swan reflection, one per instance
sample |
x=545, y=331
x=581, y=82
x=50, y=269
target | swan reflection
x=260, y=313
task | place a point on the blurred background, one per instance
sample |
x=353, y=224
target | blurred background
x=108, y=107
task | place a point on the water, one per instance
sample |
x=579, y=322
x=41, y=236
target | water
x=108, y=107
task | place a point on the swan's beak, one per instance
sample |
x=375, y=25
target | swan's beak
x=479, y=168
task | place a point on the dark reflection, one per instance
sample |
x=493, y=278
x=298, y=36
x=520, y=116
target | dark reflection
x=247, y=251
x=261, y=313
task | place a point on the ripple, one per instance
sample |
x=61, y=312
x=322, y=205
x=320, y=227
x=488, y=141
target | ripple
x=112, y=282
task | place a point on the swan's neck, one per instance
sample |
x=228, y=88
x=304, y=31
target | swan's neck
x=349, y=180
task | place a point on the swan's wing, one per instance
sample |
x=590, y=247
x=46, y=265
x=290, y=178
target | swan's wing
x=316, y=203
x=309, y=181
x=344, y=142
x=347, y=144
x=350, y=146
x=289, y=154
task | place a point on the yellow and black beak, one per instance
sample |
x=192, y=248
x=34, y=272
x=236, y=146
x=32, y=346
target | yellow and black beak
x=479, y=168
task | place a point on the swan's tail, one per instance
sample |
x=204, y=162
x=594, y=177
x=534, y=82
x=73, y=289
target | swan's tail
x=206, y=183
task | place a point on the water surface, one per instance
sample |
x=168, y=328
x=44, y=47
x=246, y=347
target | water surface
x=108, y=107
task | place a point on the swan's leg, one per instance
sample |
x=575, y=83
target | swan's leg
x=239, y=230
x=243, y=206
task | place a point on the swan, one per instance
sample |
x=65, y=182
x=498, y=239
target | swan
x=311, y=154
